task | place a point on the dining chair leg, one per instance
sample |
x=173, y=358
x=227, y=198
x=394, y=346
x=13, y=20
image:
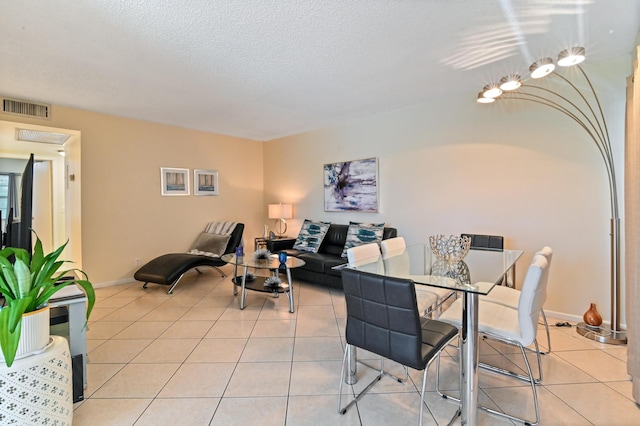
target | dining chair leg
x=531, y=380
x=381, y=372
x=546, y=327
x=424, y=386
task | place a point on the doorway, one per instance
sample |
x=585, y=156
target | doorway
x=57, y=212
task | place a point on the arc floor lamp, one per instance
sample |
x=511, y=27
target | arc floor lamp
x=587, y=112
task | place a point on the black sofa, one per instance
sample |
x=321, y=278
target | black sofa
x=318, y=267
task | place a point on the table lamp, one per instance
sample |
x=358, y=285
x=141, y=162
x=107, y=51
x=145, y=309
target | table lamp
x=280, y=212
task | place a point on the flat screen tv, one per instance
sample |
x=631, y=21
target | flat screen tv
x=18, y=231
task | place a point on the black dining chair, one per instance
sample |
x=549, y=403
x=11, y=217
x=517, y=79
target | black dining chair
x=492, y=243
x=383, y=318
x=486, y=242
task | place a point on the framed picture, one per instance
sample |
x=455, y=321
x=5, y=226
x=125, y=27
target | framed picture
x=351, y=186
x=205, y=182
x=174, y=181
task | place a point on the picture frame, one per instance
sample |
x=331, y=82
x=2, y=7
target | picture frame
x=174, y=181
x=205, y=182
x=351, y=186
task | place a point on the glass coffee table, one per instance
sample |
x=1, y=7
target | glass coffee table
x=259, y=283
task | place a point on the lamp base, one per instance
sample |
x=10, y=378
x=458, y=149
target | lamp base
x=602, y=334
x=281, y=226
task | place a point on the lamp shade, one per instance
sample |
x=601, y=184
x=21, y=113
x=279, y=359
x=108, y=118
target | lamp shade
x=483, y=100
x=570, y=57
x=491, y=91
x=280, y=211
x=510, y=82
x=542, y=68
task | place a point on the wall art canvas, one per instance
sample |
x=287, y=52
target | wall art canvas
x=174, y=181
x=205, y=182
x=351, y=186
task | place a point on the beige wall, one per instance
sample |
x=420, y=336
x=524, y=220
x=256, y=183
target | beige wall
x=452, y=166
x=124, y=217
x=447, y=166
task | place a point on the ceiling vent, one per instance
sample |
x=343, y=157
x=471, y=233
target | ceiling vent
x=29, y=109
x=28, y=135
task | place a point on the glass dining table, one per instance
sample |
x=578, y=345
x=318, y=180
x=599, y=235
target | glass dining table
x=475, y=275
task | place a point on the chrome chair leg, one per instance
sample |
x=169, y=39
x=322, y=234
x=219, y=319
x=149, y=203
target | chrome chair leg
x=175, y=283
x=532, y=382
x=509, y=373
x=342, y=410
x=546, y=327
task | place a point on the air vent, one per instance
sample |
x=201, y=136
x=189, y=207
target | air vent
x=29, y=109
x=28, y=135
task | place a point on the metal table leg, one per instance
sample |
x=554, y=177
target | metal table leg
x=243, y=295
x=235, y=278
x=469, y=353
x=290, y=294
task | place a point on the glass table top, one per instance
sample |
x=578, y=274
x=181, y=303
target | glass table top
x=272, y=262
x=478, y=272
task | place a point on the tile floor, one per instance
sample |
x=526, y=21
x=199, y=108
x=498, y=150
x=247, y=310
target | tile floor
x=194, y=358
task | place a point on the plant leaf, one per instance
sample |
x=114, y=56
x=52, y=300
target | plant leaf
x=85, y=284
x=16, y=310
x=9, y=340
x=23, y=276
x=9, y=276
x=37, y=259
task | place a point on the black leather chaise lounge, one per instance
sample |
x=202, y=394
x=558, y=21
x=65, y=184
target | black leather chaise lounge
x=168, y=269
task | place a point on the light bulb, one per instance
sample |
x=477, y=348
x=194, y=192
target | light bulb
x=542, y=68
x=483, y=100
x=491, y=91
x=510, y=82
x=571, y=56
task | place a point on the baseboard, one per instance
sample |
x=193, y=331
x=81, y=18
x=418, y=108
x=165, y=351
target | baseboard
x=112, y=283
x=574, y=318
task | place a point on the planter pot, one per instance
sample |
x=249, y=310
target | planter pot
x=38, y=389
x=35, y=336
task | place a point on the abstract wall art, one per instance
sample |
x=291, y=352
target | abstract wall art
x=351, y=186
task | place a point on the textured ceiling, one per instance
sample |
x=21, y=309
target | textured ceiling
x=262, y=69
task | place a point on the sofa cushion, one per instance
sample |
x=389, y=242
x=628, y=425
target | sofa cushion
x=334, y=240
x=210, y=244
x=362, y=233
x=320, y=262
x=311, y=236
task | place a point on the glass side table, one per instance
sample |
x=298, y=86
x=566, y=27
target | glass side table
x=258, y=283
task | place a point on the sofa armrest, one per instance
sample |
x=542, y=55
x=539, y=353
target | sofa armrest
x=274, y=246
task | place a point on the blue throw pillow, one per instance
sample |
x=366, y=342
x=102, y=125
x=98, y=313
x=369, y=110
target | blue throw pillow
x=311, y=236
x=362, y=233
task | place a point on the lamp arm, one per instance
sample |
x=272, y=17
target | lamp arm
x=601, y=137
x=605, y=132
x=606, y=156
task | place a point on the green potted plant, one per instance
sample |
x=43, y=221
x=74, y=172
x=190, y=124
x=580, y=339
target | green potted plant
x=27, y=284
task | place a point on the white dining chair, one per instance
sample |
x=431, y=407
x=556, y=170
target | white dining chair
x=516, y=327
x=397, y=263
x=363, y=254
x=509, y=296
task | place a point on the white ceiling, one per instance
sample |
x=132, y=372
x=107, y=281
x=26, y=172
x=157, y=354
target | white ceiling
x=262, y=69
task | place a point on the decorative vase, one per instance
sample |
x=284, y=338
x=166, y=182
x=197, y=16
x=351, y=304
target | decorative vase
x=592, y=317
x=34, y=336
